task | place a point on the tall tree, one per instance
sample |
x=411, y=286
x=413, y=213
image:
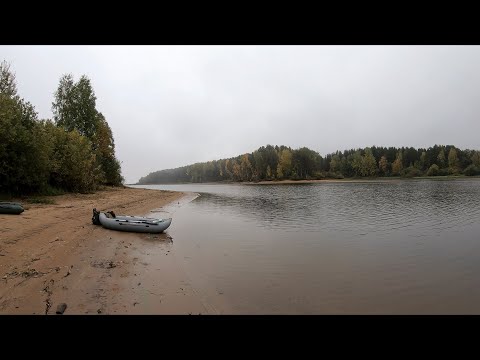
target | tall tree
x=423, y=161
x=369, y=165
x=453, y=160
x=8, y=83
x=441, y=160
x=285, y=162
x=237, y=173
x=228, y=169
x=105, y=153
x=23, y=164
x=279, y=172
x=335, y=163
x=397, y=165
x=269, y=173
x=476, y=158
x=356, y=161
x=305, y=162
x=75, y=106
x=23, y=146
x=246, y=169
x=383, y=165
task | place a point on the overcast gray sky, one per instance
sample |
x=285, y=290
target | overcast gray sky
x=170, y=106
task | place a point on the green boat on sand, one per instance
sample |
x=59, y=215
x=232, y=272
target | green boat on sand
x=10, y=208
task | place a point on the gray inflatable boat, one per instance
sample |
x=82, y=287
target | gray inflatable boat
x=134, y=223
x=10, y=208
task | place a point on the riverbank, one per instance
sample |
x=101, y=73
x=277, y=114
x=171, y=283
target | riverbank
x=367, y=180
x=345, y=180
x=288, y=182
x=53, y=254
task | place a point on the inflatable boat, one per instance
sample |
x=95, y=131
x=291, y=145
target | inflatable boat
x=10, y=208
x=131, y=223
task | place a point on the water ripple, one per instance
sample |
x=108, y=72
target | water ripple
x=360, y=208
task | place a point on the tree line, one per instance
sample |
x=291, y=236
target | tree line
x=282, y=162
x=73, y=152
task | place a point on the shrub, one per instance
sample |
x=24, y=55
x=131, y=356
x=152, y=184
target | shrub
x=433, y=170
x=471, y=170
x=411, y=172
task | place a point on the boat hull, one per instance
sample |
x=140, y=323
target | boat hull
x=10, y=208
x=134, y=224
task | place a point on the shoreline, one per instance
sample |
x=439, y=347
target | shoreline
x=345, y=180
x=53, y=254
x=368, y=180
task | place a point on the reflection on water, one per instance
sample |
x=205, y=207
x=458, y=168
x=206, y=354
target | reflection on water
x=383, y=247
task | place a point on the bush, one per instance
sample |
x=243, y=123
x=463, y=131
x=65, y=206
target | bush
x=294, y=176
x=51, y=191
x=411, y=172
x=444, y=172
x=73, y=164
x=471, y=170
x=23, y=148
x=433, y=170
x=334, y=175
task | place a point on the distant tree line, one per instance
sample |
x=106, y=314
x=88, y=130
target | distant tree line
x=281, y=162
x=73, y=152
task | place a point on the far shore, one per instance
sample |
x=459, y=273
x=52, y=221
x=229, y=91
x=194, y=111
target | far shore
x=53, y=254
x=360, y=180
x=345, y=180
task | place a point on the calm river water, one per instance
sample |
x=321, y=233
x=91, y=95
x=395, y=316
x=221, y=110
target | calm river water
x=386, y=247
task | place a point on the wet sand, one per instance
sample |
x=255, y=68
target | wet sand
x=53, y=254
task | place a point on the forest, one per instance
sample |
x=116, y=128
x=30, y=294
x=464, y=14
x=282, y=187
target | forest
x=73, y=152
x=284, y=163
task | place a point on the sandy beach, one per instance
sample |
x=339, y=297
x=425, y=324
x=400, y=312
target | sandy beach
x=53, y=254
